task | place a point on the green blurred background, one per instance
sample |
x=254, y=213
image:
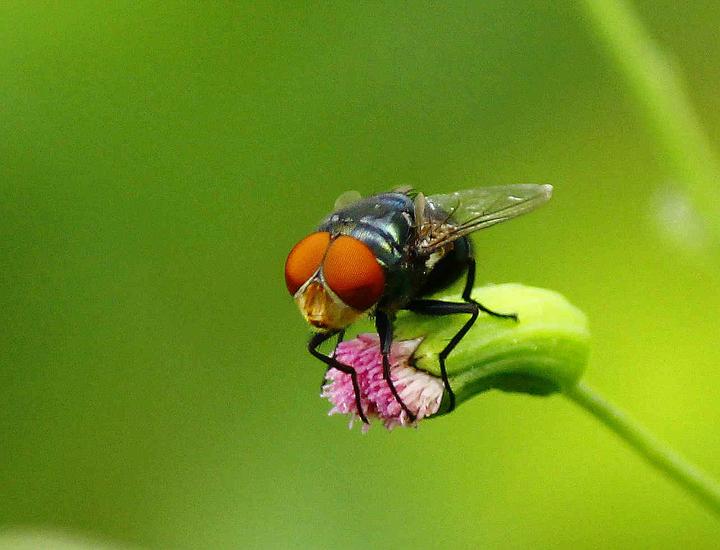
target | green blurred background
x=158, y=161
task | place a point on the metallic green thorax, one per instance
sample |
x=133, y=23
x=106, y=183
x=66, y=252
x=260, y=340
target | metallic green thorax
x=386, y=224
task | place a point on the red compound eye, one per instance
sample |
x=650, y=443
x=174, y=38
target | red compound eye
x=352, y=271
x=304, y=260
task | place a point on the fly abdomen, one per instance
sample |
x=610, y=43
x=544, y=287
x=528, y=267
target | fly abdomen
x=448, y=269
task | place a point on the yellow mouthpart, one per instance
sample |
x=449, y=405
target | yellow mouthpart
x=322, y=309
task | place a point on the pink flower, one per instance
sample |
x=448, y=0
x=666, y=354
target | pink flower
x=420, y=391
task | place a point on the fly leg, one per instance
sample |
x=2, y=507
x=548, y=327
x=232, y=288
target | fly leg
x=438, y=307
x=340, y=337
x=467, y=294
x=331, y=362
x=385, y=331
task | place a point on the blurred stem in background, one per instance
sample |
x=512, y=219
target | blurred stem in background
x=658, y=89
x=688, y=476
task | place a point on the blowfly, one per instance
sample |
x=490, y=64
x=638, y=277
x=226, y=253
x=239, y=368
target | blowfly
x=389, y=252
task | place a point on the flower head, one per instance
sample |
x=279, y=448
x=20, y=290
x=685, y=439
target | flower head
x=420, y=391
x=544, y=352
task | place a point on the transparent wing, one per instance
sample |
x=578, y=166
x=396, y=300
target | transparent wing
x=444, y=218
x=347, y=198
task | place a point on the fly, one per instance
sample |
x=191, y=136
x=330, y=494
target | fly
x=388, y=252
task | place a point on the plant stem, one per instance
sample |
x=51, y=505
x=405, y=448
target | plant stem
x=689, y=477
x=658, y=88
